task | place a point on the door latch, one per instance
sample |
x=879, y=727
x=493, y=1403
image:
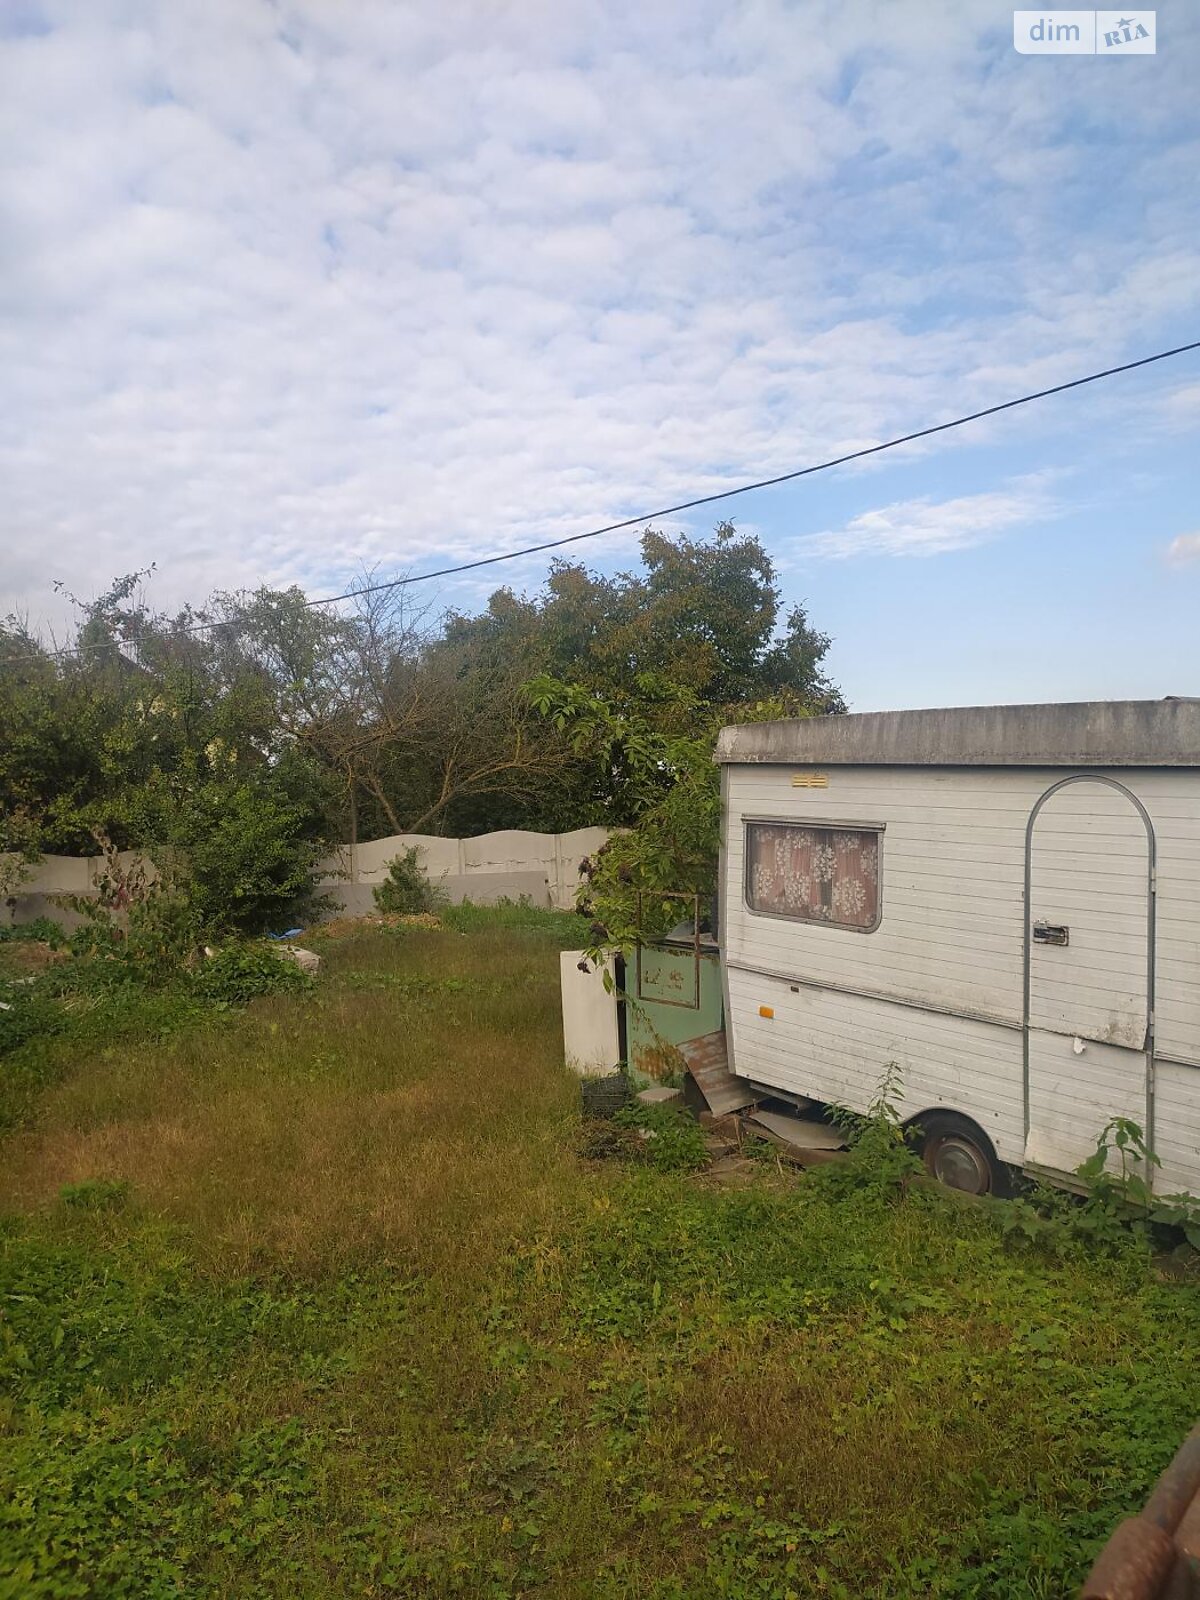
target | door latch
x=1051, y=933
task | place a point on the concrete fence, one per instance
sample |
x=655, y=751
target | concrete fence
x=495, y=866
x=35, y=891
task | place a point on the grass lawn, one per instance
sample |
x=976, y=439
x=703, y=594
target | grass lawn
x=320, y=1299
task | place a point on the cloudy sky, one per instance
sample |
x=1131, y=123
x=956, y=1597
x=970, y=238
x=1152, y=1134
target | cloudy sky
x=289, y=289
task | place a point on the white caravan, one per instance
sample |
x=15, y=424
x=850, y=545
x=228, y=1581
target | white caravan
x=1003, y=901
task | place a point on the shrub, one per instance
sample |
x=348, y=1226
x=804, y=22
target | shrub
x=40, y=931
x=159, y=936
x=137, y=928
x=236, y=973
x=246, y=853
x=670, y=1140
x=406, y=890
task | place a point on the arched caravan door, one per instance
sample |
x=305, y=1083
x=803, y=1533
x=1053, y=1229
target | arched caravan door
x=1089, y=969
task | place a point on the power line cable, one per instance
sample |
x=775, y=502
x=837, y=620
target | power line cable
x=761, y=483
x=684, y=505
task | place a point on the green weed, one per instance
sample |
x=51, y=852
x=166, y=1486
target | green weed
x=99, y=1000
x=566, y=928
x=41, y=930
x=365, y=1325
x=237, y=973
x=668, y=1140
x=881, y=1157
x=95, y=1194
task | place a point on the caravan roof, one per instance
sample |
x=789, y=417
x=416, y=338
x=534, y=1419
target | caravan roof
x=1089, y=733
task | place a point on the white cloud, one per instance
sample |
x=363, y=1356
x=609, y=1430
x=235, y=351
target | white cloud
x=1180, y=408
x=1184, y=549
x=298, y=286
x=926, y=527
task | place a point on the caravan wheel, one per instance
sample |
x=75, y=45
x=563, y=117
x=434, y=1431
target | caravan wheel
x=958, y=1153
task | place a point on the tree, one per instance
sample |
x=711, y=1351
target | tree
x=243, y=734
x=147, y=735
x=703, y=614
x=416, y=734
x=674, y=790
x=699, y=630
x=650, y=667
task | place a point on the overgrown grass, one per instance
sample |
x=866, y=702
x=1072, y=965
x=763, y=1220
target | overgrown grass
x=55, y=1007
x=566, y=928
x=331, y=1307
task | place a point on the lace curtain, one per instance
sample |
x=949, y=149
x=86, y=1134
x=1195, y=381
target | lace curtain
x=814, y=874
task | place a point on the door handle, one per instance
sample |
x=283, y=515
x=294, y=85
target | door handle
x=1051, y=933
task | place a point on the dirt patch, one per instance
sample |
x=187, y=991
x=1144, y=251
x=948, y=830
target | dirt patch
x=26, y=958
x=733, y=1171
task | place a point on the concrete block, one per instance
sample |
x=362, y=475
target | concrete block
x=660, y=1095
x=307, y=960
x=590, y=1040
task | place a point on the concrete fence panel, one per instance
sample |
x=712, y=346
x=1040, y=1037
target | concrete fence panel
x=60, y=875
x=570, y=850
x=513, y=849
x=506, y=865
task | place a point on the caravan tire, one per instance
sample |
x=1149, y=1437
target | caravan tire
x=958, y=1153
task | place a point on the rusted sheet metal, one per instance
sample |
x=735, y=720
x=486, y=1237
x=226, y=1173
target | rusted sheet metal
x=802, y=1132
x=708, y=1062
x=1156, y=1556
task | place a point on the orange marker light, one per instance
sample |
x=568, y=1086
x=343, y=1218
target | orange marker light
x=766, y=1011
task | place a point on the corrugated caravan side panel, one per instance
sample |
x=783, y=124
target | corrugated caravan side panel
x=1177, y=1128
x=948, y=945
x=837, y=1047
x=952, y=878
x=1173, y=801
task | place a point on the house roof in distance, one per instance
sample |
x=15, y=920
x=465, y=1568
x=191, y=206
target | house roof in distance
x=1088, y=733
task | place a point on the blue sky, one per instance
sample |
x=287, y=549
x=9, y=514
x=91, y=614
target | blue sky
x=289, y=289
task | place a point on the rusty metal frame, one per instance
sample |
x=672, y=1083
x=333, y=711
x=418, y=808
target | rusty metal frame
x=1156, y=1555
x=657, y=999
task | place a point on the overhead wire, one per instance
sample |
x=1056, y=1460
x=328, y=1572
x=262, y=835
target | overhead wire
x=760, y=483
x=408, y=579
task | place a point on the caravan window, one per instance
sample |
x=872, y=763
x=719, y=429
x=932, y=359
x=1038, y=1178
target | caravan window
x=814, y=874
